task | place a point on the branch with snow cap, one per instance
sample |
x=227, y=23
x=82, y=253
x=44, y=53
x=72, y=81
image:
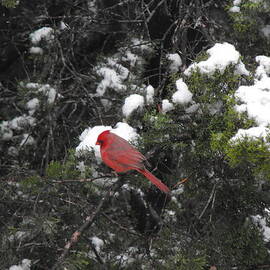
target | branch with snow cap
x=221, y=55
x=136, y=102
x=255, y=101
x=175, y=62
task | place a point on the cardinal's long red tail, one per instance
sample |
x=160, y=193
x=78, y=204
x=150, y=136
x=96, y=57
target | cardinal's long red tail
x=154, y=180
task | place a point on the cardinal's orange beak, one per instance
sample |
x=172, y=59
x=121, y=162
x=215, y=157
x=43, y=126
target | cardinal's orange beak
x=98, y=142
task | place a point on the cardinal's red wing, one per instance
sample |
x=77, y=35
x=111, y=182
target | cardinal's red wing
x=122, y=161
x=120, y=155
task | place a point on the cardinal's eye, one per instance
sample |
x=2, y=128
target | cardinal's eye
x=99, y=141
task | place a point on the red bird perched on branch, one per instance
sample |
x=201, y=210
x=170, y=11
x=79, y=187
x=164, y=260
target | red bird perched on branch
x=119, y=155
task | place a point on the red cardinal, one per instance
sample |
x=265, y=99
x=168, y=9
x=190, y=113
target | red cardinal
x=119, y=155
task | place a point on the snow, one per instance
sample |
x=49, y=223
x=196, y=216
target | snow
x=49, y=91
x=132, y=103
x=150, y=92
x=221, y=56
x=20, y=122
x=166, y=106
x=175, y=60
x=131, y=57
x=128, y=257
x=266, y=31
x=261, y=221
x=27, y=140
x=170, y=212
x=182, y=95
x=36, y=50
x=237, y=2
x=17, y=124
x=234, y=9
x=45, y=33
x=31, y=85
x=113, y=76
x=125, y=131
x=97, y=242
x=122, y=71
x=254, y=132
x=264, y=66
x=32, y=105
x=45, y=89
x=5, y=131
x=89, y=136
x=114, y=72
x=255, y=101
x=63, y=25
x=25, y=265
x=240, y=69
x=111, y=79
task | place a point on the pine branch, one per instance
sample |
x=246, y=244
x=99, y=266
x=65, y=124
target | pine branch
x=88, y=223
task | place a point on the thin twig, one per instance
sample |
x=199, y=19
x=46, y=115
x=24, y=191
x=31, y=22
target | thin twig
x=208, y=202
x=80, y=180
